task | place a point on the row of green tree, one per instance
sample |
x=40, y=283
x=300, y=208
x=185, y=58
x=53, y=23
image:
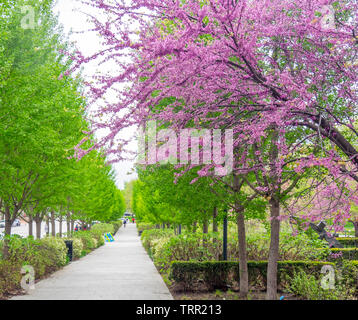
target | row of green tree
x=42, y=119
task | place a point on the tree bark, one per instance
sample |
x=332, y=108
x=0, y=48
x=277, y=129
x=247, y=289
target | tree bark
x=38, y=229
x=355, y=225
x=60, y=227
x=38, y=221
x=68, y=222
x=31, y=219
x=243, y=268
x=53, y=224
x=274, y=251
x=72, y=225
x=205, y=226
x=8, y=224
x=48, y=226
x=215, y=223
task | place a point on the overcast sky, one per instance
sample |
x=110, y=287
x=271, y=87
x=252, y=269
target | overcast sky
x=88, y=43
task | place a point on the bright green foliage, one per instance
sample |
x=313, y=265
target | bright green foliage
x=42, y=120
x=157, y=199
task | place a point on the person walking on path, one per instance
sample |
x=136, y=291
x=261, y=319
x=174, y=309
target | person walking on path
x=124, y=223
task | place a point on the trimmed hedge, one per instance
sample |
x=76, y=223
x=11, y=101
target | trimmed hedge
x=116, y=225
x=45, y=255
x=333, y=254
x=348, y=241
x=141, y=226
x=189, y=275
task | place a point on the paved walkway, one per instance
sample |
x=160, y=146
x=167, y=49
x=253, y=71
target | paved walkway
x=119, y=270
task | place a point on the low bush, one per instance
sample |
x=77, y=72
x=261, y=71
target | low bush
x=46, y=255
x=77, y=247
x=310, y=287
x=340, y=253
x=348, y=242
x=116, y=225
x=141, y=226
x=150, y=236
x=164, y=247
x=57, y=250
x=190, y=275
x=10, y=277
x=102, y=228
x=88, y=240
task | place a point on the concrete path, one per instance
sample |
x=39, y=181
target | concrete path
x=119, y=270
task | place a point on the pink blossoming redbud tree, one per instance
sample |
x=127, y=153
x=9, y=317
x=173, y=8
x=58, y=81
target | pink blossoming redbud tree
x=263, y=67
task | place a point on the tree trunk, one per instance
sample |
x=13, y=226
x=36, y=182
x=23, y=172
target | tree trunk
x=60, y=227
x=48, y=226
x=68, y=222
x=205, y=226
x=194, y=227
x=31, y=229
x=7, y=231
x=72, y=225
x=53, y=224
x=355, y=224
x=205, y=231
x=274, y=251
x=38, y=228
x=243, y=268
x=215, y=223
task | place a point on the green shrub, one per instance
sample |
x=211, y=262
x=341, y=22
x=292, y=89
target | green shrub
x=348, y=241
x=116, y=224
x=164, y=246
x=57, y=250
x=102, y=228
x=88, y=241
x=150, y=235
x=219, y=274
x=291, y=247
x=45, y=255
x=98, y=230
x=10, y=276
x=340, y=253
x=77, y=247
x=310, y=287
x=141, y=226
